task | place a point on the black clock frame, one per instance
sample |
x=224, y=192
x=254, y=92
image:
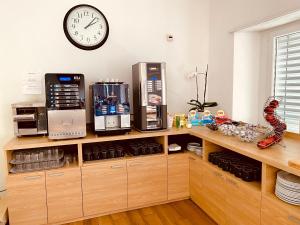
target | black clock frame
x=65, y=26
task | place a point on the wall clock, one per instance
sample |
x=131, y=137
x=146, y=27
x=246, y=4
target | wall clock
x=86, y=27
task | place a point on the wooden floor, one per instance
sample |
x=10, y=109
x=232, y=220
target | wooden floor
x=176, y=213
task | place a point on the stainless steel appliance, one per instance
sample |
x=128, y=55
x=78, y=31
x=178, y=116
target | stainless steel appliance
x=29, y=118
x=110, y=107
x=65, y=100
x=149, y=96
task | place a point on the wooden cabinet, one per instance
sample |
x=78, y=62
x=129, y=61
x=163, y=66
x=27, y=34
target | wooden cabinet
x=178, y=176
x=64, y=195
x=275, y=211
x=147, y=180
x=207, y=189
x=244, y=199
x=104, y=187
x=213, y=195
x=220, y=194
x=27, y=199
x=196, y=187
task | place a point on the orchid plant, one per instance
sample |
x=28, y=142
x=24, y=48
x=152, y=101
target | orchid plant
x=195, y=103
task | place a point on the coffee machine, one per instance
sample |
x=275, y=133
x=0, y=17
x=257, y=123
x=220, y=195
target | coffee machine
x=65, y=101
x=149, y=96
x=110, y=108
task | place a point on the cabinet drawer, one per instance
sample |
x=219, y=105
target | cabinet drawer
x=147, y=180
x=178, y=176
x=64, y=195
x=213, y=196
x=196, y=187
x=27, y=199
x=248, y=201
x=275, y=211
x=104, y=187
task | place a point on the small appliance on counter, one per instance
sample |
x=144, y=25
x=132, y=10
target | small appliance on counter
x=149, y=96
x=65, y=101
x=110, y=108
x=29, y=118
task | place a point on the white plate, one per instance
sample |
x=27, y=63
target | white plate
x=288, y=188
x=288, y=178
x=287, y=201
x=293, y=195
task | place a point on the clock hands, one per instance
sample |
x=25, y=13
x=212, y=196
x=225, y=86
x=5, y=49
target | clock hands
x=91, y=23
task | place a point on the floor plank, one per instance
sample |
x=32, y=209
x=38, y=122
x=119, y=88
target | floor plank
x=176, y=213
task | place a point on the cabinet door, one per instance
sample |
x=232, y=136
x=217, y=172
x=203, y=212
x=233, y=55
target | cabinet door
x=212, y=198
x=147, y=180
x=244, y=200
x=178, y=176
x=104, y=187
x=64, y=195
x=196, y=187
x=27, y=199
x=275, y=211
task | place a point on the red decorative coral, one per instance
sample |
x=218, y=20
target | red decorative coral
x=275, y=121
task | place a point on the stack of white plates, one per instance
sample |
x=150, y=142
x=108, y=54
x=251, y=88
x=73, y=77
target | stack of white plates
x=288, y=187
x=195, y=147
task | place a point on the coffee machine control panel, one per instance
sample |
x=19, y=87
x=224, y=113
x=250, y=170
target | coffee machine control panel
x=65, y=91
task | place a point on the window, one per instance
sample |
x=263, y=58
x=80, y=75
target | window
x=287, y=79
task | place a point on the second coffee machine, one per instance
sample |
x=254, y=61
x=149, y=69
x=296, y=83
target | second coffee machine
x=149, y=96
x=110, y=107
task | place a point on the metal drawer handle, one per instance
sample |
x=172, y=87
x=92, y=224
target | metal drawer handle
x=192, y=158
x=135, y=164
x=217, y=174
x=232, y=182
x=33, y=177
x=116, y=166
x=56, y=174
x=294, y=219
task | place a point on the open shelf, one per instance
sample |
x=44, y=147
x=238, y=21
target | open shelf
x=235, y=163
x=127, y=157
x=253, y=185
x=182, y=140
x=38, y=159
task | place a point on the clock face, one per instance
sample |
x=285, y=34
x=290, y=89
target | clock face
x=86, y=27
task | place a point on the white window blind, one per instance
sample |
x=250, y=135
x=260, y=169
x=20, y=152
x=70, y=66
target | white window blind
x=287, y=79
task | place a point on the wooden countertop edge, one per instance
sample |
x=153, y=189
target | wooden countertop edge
x=34, y=142
x=233, y=144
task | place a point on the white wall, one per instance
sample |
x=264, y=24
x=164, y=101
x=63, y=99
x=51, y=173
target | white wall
x=246, y=76
x=226, y=17
x=32, y=40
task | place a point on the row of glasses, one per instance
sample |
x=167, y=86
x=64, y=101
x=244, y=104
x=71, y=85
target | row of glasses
x=35, y=166
x=30, y=156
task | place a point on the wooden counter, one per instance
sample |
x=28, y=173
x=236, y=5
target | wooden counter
x=154, y=179
x=277, y=155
